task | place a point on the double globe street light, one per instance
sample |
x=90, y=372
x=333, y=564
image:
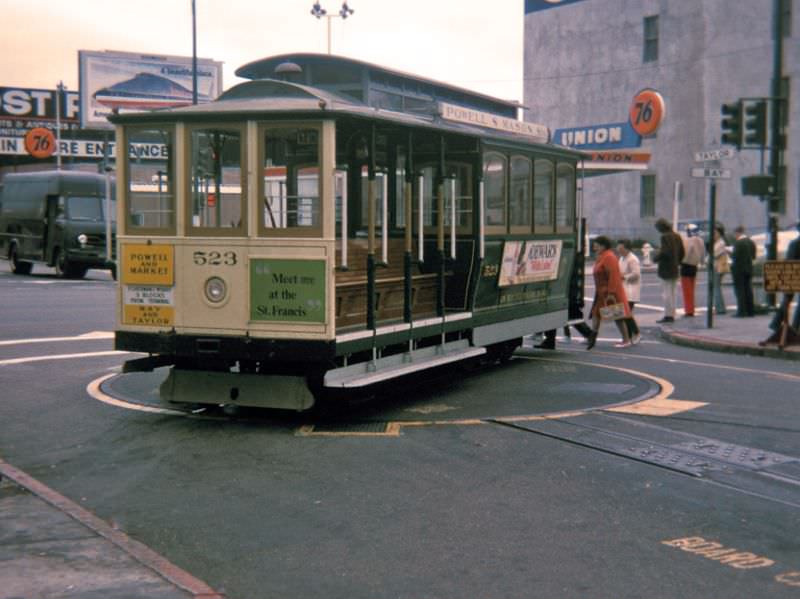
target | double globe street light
x=319, y=12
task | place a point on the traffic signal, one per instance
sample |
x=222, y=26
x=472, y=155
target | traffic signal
x=732, y=124
x=755, y=124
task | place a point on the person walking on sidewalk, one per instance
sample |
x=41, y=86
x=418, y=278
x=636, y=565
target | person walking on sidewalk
x=695, y=251
x=722, y=266
x=575, y=312
x=608, y=289
x=631, y=271
x=668, y=258
x=744, y=252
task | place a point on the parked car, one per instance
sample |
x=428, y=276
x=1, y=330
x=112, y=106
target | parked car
x=700, y=225
x=784, y=238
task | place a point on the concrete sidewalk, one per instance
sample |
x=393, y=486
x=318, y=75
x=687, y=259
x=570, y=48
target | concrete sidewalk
x=728, y=334
x=52, y=547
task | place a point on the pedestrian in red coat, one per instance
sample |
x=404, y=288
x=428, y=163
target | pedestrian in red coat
x=608, y=289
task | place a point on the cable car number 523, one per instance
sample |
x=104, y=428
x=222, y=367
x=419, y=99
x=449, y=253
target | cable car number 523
x=215, y=258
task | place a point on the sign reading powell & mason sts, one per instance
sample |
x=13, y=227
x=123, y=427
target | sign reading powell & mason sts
x=469, y=116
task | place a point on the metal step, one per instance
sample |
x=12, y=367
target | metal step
x=383, y=369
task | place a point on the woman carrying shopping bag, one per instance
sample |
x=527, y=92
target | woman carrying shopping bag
x=610, y=301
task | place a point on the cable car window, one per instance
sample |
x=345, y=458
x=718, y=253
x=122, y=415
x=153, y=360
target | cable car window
x=151, y=181
x=519, y=204
x=380, y=187
x=460, y=182
x=428, y=196
x=400, y=191
x=543, y=196
x=565, y=197
x=291, y=200
x=494, y=191
x=217, y=187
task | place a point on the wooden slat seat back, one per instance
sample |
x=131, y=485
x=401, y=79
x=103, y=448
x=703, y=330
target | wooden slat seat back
x=351, y=286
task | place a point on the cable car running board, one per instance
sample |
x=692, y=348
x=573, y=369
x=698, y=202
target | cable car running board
x=384, y=369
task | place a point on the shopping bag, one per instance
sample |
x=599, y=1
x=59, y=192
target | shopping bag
x=613, y=310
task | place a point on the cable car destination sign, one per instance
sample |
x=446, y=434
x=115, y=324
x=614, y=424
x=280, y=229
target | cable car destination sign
x=468, y=116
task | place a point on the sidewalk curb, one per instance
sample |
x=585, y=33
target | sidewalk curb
x=138, y=551
x=729, y=347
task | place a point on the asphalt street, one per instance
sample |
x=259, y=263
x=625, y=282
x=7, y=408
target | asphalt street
x=655, y=470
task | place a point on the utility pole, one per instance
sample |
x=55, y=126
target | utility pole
x=194, y=54
x=777, y=202
x=59, y=97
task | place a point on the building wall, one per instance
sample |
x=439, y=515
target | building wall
x=584, y=64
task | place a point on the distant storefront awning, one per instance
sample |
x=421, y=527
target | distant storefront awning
x=606, y=162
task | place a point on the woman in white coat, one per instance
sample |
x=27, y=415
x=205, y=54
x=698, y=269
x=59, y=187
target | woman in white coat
x=631, y=271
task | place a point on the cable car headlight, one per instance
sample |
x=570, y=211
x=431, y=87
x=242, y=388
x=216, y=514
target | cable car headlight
x=216, y=290
x=83, y=239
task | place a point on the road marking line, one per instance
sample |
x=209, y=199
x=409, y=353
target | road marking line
x=92, y=336
x=93, y=389
x=61, y=357
x=627, y=355
x=394, y=428
x=741, y=560
x=659, y=407
x=666, y=387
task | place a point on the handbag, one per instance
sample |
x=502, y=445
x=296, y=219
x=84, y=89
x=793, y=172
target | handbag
x=723, y=264
x=613, y=310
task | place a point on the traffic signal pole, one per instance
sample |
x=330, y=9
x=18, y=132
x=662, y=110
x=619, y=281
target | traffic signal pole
x=712, y=224
x=777, y=202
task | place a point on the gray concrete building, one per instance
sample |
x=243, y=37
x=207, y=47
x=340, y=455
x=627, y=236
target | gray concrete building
x=585, y=60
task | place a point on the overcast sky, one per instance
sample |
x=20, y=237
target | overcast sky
x=470, y=43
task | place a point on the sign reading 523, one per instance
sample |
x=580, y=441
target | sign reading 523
x=647, y=111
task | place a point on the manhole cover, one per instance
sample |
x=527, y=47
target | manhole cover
x=350, y=427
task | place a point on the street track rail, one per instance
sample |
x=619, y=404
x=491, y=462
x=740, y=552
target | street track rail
x=763, y=474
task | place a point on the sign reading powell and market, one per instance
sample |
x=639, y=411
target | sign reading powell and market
x=287, y=290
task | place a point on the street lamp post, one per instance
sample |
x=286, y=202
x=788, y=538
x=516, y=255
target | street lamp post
x=59, y=97
x=319, y=12
x=194, y=55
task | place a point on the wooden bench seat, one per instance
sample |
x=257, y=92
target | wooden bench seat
x=351, y=286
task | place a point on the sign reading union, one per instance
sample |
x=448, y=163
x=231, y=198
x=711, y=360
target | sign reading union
x=468, y=116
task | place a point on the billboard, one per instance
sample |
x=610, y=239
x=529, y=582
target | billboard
x=24, y=108
x=126, y=81
x=537, y=5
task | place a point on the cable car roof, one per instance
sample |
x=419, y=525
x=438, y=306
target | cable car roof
x=262, y=97
x=281, y=98
x=321, y=70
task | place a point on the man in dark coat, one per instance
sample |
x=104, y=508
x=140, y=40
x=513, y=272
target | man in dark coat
x=744, y=252
x=668, y=258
